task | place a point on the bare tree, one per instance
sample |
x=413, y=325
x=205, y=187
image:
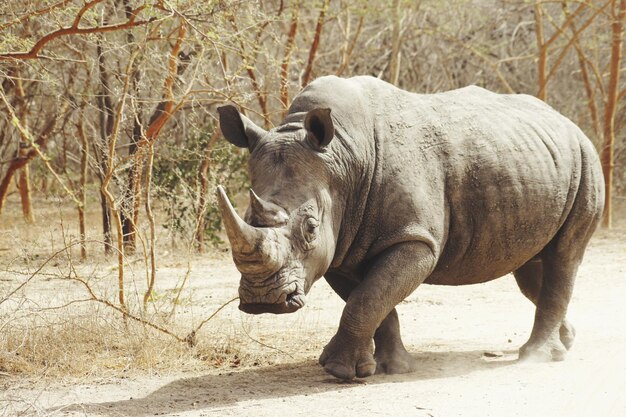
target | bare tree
x=618, y=15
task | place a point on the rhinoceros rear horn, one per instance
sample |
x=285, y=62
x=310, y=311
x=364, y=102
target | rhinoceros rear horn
x=255, y=252
x=265, y=212
x=238, y=129
x=319, y=126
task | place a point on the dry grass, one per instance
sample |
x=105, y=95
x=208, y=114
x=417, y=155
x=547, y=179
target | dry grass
x=104, y=347
x=51, y=327
x=96, y=347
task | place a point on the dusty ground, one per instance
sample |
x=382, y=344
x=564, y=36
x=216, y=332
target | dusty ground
x=465, y=338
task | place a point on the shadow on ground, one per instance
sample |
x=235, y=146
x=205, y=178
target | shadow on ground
x=213, y=391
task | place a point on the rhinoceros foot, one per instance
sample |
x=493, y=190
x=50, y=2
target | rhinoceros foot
x=567, y=334
x=396, y=361
x=347, y=357
x=553, y=350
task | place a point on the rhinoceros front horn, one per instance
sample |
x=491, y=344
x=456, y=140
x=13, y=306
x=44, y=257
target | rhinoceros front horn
x=256, y=251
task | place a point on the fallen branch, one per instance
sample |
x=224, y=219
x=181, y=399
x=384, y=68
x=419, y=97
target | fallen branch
x=34, y=274
x=266, y=345
x=190, y=339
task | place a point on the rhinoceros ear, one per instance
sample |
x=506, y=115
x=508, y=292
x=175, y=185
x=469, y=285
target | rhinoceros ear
x=238, y=129
x=319, y=126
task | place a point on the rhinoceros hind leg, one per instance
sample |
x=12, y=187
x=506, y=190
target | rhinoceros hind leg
x=559, y=263
x=554, y=279
x=529, y=278
x=390, y=354
x=567, y=334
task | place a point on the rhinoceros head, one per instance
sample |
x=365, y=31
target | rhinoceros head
x=286, y=240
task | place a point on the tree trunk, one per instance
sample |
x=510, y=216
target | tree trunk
x=542, y=52
x=132, y=200
x=29, y=149
x=4, y=186
x=106, y=223
x=150, y=216
x=203, y=176
x=249, y=60
x=284, y=67
x=349, y=45
x=105, y=106
x=394, y=59
x=130, y=212
x=24, y=172
x=315, y=44
x=24, y=188
x=84, y=156
x=618, y=13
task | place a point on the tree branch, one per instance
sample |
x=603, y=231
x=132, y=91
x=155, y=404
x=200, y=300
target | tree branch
x=568, y=21
x=345, y=59
x=75, y=30
x=284, y=67
x=35, y=150
x=316, y=42
x=565, y=49
x=33, y=14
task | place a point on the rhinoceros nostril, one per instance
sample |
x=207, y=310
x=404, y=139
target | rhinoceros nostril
x=296, y=299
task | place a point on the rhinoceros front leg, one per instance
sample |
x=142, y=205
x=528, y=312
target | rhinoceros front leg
x=390, y=354
x=393, y=276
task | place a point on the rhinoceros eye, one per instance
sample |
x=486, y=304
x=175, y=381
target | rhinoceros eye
x=310, y=228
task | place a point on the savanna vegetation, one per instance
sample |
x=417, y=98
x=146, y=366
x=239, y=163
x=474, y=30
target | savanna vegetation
x=108, y=130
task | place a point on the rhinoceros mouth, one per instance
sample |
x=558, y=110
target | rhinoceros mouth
x=292, y=303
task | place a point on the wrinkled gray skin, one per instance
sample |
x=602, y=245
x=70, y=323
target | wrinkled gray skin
x=380, y=190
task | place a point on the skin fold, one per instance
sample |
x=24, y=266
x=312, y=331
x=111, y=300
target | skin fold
x=380, y=190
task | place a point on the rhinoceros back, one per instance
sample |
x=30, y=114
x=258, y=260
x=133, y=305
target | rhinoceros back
x=514, y=171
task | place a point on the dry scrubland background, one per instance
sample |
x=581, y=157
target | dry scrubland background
x=108, y=110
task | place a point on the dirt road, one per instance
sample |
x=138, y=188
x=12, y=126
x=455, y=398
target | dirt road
x=465, y=339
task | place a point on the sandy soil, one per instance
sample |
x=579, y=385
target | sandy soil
x=465, y=339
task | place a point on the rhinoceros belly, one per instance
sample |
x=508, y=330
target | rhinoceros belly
x=511, y=180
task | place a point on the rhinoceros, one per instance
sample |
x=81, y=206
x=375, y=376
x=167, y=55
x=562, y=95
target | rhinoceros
x=379, y=190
